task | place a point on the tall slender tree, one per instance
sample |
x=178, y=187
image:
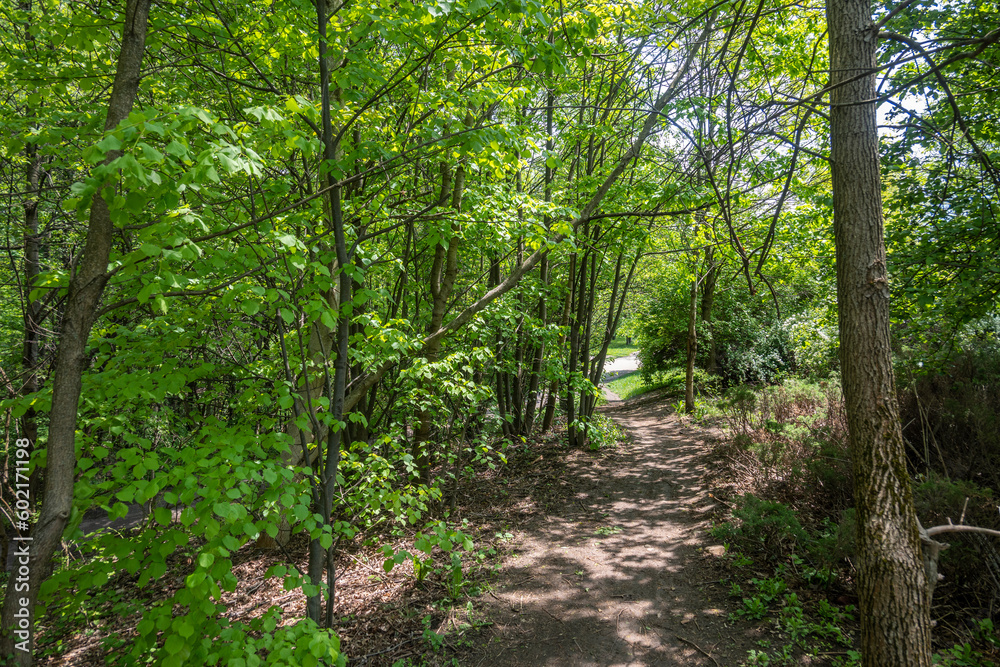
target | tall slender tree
x=85, y=290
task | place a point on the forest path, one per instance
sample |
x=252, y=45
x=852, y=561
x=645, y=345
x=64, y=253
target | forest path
x=621, y=574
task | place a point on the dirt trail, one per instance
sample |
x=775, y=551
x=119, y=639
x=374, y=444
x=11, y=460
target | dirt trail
x=618, y=576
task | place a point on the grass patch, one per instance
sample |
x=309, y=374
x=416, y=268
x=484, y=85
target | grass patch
x=630, y=385
x=616, y=349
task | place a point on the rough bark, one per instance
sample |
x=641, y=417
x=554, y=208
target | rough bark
x=85, y=289
x=895, y=613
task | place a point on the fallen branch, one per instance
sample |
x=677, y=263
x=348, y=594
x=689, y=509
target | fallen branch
x=953, y=528
x=932, y=548
x=365, y=658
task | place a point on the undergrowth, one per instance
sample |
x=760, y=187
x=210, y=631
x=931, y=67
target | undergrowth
x=783, y=473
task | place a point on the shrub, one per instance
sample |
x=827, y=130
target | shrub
x=751, y=344
x=951, y=417
x=762, y=525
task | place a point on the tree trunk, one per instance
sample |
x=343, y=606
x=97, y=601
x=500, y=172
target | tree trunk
x=895, y=611
x=85, y=289
x=538, y=353
x=32, y=317
x=550, y=406
x=707, y=301
x=692, y=347
x=322, y=558
x=587, y=401
x=444, y=271
x=576, y=438
x=539, y=356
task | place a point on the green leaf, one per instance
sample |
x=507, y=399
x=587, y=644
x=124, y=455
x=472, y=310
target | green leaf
x=174, y=644
x=135, y=202
x=109, y=143
x=150, y=153
x=176, y=148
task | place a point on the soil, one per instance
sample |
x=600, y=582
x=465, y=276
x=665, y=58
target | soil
x=622, y=573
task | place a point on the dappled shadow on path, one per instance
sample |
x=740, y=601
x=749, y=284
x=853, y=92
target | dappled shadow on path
x=617, y=576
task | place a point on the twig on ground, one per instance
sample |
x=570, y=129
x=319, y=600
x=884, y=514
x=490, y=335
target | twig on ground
x=365, y=658
x=551, y=614
x=700, y=650
x=381, y=575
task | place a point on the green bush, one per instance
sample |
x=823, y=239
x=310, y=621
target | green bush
x=751, y=343
x=767, y=525
x=949, y=407
x=773, y=530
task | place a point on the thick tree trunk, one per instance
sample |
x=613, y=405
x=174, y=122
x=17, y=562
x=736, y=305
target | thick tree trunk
x=85, y=289
x=895, y=614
